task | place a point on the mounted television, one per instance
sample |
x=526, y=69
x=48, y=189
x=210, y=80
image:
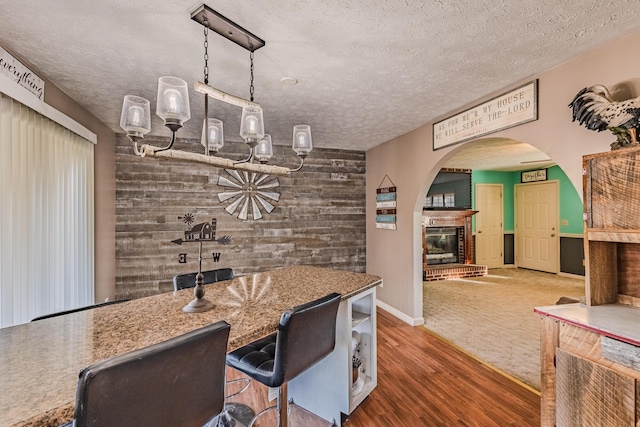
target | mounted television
x=450, y=190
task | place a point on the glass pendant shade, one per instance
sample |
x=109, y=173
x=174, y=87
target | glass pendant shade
x=216, y=134
x=264, y=149
x=173, y=100
x=252, y=124
x=135, y=117
x=302, y=144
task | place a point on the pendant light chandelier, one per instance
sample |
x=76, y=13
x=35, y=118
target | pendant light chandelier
x=172, y=106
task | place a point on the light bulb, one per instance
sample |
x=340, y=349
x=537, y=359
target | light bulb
x=174, y=99
x=213, y=130
x=135, y=115
x=302, y=139
x=252, y=124
x=264, y=149
x=214, y=134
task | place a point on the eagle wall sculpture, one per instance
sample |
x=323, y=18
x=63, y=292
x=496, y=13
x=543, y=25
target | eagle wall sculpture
x=594, y=108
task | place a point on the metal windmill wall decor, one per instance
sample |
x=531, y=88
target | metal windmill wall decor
x=248, y=193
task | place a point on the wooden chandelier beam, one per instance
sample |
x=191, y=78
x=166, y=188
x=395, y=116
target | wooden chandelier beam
x=148, y=150
x=223, y=96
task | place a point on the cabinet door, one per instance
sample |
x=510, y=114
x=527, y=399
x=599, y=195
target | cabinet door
x=588, y=394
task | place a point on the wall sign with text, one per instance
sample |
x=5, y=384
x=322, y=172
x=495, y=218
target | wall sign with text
x=386, y=206
x=513, y=108
x=533, y=176
x=16, y=71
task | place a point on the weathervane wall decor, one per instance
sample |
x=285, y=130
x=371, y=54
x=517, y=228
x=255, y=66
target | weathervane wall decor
x=594, y=108
x=199, y=233
x=173, y=107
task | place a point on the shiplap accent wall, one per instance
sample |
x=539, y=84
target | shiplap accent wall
x=319, y=219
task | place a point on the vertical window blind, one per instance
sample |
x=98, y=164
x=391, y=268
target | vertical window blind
x=46, y=215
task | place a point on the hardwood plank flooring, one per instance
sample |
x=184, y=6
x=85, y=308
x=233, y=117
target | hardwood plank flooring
x=424, y=381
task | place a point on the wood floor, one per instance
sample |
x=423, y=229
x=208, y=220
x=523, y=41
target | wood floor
x=423, y=381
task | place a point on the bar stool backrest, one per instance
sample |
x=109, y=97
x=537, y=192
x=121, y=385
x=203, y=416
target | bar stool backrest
x=184, y=281
x=306, y=335
x=178, y=382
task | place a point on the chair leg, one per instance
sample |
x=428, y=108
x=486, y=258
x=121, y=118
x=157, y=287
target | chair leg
x=282, y=409
x=283, y=406
x=234, y=414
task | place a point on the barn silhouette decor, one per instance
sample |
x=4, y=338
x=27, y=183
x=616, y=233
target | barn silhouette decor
x=200, y=233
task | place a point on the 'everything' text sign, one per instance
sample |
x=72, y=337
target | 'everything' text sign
x=16, y=71
x=511, y=109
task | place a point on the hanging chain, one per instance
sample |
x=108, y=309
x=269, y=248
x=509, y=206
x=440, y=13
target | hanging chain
x=206, y=51
x=251, y=84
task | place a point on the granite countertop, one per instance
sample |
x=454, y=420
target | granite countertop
x=40, y=361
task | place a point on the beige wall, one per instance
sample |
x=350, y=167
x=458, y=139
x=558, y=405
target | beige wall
x=105, y=178
x=412, y=165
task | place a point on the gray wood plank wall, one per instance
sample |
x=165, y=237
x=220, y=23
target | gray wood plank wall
x=319, y=219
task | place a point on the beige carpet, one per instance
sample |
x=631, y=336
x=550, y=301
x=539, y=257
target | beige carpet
x=492, y=317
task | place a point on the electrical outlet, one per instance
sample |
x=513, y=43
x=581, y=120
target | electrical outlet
x=564, y=222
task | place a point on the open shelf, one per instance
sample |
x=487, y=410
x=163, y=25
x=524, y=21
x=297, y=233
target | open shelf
x=357, y=318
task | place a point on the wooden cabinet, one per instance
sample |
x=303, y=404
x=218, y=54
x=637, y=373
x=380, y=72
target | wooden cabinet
x=590, y=361
x=329, y=389
x=589, y=394
x=611, y=183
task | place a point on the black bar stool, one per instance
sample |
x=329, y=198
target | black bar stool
x=306, y=335
x=184, y=281
x=234, y=414
x=178, y=382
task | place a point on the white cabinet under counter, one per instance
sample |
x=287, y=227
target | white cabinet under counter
x=329, y=388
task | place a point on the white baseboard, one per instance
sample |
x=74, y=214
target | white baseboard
x=571, y=276
x=400, y=315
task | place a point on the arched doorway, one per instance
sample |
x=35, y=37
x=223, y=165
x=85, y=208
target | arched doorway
x=473, y=304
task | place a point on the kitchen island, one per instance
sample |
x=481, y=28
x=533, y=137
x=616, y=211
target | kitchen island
x=40, y=361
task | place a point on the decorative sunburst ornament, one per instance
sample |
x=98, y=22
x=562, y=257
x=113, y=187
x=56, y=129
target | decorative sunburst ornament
x=248, y=192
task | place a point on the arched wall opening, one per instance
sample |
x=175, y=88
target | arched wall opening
x=497, y=166
x=412, y=164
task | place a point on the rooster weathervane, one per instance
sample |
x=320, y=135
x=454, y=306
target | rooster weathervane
x=594, y=108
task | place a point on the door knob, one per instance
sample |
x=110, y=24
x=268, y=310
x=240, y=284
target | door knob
x=479, y=231
x=553, y=234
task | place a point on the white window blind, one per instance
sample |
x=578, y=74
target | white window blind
x=46, y=215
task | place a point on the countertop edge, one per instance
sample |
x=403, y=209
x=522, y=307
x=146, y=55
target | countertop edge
x=598, y=319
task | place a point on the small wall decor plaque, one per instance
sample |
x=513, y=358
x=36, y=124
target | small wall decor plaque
x=386, y=205
x=533, y=176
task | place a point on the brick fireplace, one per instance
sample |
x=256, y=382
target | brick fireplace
x=447, y=245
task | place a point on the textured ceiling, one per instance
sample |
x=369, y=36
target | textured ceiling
x=368, y=71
